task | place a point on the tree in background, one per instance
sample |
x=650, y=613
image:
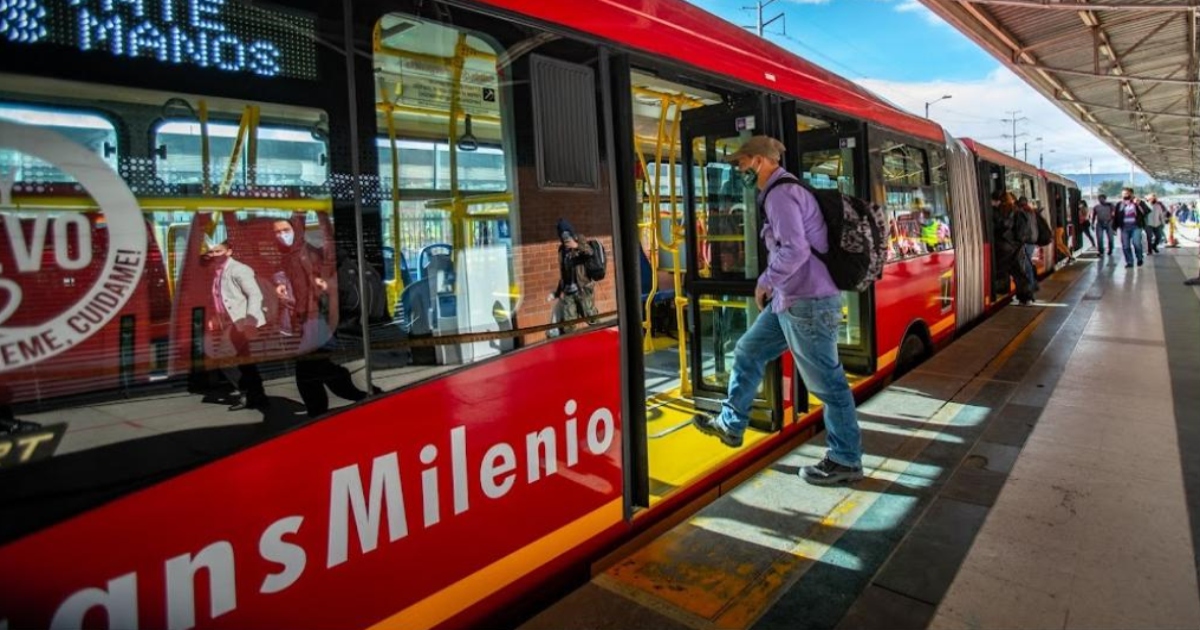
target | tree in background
x=1110, y=188
x=1153, y=187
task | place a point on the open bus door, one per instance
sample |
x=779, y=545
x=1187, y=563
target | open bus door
x=832, y=154
x=724, y=253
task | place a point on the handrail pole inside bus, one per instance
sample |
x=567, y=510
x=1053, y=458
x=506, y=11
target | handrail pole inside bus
x=647, y=333
x=252, y=147
x=457, y=211
x=236, y=154
x=397, y=277
x=205, y=151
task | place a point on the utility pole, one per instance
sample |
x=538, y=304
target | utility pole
x=1014, y=120
x=761, y=26
x=1091, y=184
x=928, y=103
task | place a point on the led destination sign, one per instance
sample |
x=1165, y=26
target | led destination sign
x=225, y=35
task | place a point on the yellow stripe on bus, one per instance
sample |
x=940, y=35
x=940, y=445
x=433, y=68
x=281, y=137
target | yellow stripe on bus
x=178, y=203
x=449, y=601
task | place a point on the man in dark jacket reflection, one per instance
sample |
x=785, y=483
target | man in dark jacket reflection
x=304, y=284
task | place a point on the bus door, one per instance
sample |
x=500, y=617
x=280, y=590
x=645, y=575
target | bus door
x=724, y=252
x=831, y=154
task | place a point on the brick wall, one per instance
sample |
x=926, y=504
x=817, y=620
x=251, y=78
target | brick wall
x=537, y=254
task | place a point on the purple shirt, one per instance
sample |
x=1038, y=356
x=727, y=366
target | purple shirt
x=793, y=227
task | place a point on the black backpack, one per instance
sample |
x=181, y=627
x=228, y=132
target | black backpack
x=1044, y=235
x=596, y=264
x=858, y=240
x=351, y=305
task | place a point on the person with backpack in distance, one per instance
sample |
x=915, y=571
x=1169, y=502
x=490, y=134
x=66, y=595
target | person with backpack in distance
x=1131, y=218
x=801, y=310
x=580, y=264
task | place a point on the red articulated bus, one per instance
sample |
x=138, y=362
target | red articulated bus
x=500, y=451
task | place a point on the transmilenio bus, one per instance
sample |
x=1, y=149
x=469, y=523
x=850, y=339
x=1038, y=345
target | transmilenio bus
x=419, y=153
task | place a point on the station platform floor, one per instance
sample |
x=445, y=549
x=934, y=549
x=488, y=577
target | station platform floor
x=1043, y=471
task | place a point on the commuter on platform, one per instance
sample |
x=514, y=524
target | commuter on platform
x=576, y=292
x=1085, y=223
x=1011, y=261
x=1102, y=221
x=235, y=319
x=1157, y=216
x=1131, y=217
x=307, y=287
x=801, y=310
x=1027, y=212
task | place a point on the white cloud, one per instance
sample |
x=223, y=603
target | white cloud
x=914, y=6
x=977, y=107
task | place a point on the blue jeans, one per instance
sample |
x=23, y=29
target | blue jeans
x=810, y=329
x=1030, y=269
x=1131, y=235
x=1104, y=232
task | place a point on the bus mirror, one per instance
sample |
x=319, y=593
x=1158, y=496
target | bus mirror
x=161, y=151
x=110, y=149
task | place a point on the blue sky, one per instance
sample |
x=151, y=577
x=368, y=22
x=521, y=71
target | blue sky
x=881, y=39
x=908, y=55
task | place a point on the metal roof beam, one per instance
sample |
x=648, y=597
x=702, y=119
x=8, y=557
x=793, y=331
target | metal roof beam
x=1113, y=77
x=1054, y=5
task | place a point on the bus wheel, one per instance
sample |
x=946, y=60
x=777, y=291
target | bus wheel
x=913, y=352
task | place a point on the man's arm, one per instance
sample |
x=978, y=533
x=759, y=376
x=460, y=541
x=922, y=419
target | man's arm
x=787, y=228
x=254, y=298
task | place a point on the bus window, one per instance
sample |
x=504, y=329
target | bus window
x=286, y=156
x=90, y=130
x=918, y=215
x=446, y=178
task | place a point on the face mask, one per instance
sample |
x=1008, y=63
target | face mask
x=750, y=176
x=287, y=238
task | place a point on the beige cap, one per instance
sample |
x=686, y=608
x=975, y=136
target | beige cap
x=758, y=146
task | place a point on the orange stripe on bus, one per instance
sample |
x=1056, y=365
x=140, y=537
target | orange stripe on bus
x=449, y=601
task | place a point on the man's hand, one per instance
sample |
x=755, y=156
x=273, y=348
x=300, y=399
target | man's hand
x=321, y=284
x=761, y=296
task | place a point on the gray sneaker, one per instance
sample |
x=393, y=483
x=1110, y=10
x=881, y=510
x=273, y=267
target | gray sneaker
x=828, y=472
x=708, y=426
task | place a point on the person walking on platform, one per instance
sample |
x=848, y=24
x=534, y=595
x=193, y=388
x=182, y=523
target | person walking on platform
x=1102, y=220
x=237, y=315
x=1155, y=218
x=1131, y=216
x=1085, y=224
x=801, y=310
x=304, y=282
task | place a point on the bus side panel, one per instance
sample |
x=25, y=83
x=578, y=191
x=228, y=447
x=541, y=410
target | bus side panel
x=914, y=289
x=471, y=482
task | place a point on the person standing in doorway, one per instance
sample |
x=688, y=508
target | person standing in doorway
x=801, y=311
x=1102, y=220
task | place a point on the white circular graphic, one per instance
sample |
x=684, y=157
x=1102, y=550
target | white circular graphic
x=123, y=263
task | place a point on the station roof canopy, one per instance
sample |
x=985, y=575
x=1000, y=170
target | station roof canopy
x=1125, y=69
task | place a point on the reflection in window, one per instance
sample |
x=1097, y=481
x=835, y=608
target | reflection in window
x=833, y=168
x=284, y=156
x=92, y=131
x=917, y=205
x=445, y=168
